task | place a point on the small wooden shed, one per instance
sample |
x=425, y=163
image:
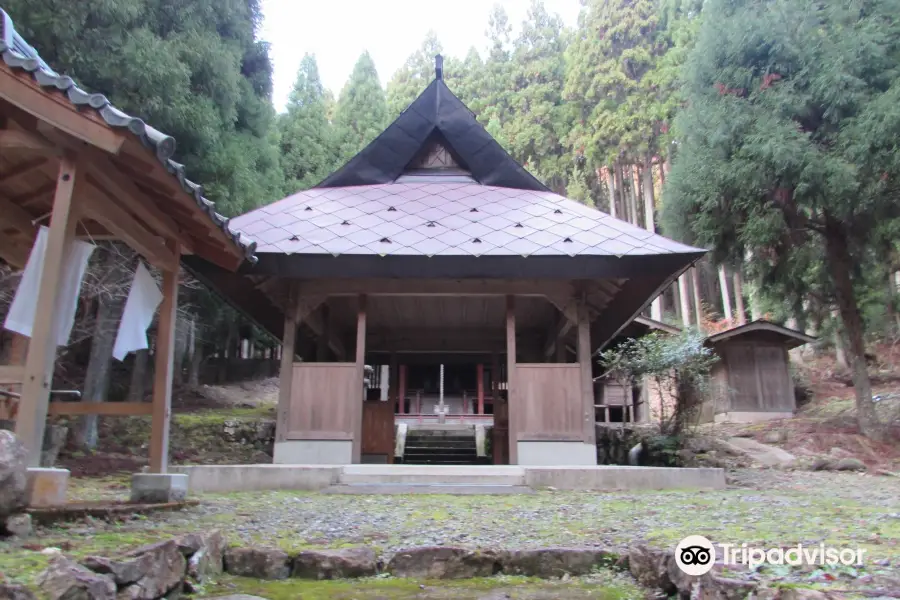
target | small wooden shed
x=752, y=381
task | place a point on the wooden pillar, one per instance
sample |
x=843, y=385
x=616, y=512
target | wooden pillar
x=479, y=374
x=164, y=366
x=587, y=378
x=360, y=367
x=286, y=374
x=32, y=412
x=512, y=406
x=401, y=382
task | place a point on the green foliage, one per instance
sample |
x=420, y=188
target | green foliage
x=681, y=363
x=415, y=74
x=361, y=112
x=192, y=69
x=308, y=146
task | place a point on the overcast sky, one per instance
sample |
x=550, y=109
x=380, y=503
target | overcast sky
x=338, y=31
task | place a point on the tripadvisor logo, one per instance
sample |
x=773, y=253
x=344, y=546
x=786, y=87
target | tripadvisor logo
x=695, y=555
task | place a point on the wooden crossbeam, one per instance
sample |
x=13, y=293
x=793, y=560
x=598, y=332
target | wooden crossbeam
x=126, y=193
x=435, y=287
x=99, y=207
x=13, y=139
x=22, y=169
x=14, y=215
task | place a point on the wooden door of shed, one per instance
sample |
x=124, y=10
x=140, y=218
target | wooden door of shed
x=378, y=431
x=776, y=387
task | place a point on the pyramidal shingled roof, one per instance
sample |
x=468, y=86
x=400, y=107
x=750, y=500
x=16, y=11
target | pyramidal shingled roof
x=436, y=113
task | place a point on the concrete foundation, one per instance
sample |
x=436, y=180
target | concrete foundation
x=557, y=453
x=46, y=487
x=625, y=478
x=751, y=417
x=219, y=479
x=433, y=479
x=158, y=488
x=313, y=452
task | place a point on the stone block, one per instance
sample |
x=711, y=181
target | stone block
x=158, y=488
x=46, y=487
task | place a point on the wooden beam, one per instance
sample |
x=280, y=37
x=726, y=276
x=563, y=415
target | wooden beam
x=126, y=193
x=511, y=398
x=22, y=169
x=587, y=378
x=11, y=374
x=286, y=373
x=54, y=108
x=164, y=366
x=14, y=139
x=14, y=215
x=111, y=409
x=559, y=331
x=13, y=253
x=38, y=378
x=360, y=366
x=120, y=223
x=436, y=287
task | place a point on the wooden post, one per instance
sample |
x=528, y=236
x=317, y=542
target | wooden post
x=587, y=379
x=360, y=366
x=402, y=390
x=479, y=374
x=510, y=379
x=286, y=371
x=32, y=412
x=164, y=367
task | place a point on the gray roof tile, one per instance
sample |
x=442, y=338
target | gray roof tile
x=508, y=221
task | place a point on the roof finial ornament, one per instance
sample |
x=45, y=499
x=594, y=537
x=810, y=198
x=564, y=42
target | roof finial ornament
x=439, y=67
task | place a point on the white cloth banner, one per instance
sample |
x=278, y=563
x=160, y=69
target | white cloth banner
x=21, y=315
x=143, y=298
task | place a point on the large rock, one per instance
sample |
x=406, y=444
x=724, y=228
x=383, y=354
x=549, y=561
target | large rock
x=9, y=591
x=12, y=474
x=165, y=574
x=208, y=559
x=262, y=563
x=556, y=562
x=335, y=564
x=123, y=572
x=651, y=568
x=715, y=587
x=67, y=580
x=19, y=525
x=442, y=562
x=849, y=464
x=801, y=594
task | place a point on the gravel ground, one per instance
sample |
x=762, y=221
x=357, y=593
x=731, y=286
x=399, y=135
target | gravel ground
x=761, y=507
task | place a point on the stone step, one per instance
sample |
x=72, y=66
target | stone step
x=433, y=473
x=430, y=488
x=439, y=450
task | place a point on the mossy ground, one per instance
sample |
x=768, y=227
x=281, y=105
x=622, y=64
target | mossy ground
x=602, y=586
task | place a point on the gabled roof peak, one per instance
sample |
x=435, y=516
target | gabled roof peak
x=436, y=114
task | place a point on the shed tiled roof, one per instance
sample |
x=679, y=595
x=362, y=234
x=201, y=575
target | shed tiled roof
x=19, y=55
x=433, y=218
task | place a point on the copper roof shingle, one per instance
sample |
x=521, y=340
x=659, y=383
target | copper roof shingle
x=19, y=55
x=444, y=219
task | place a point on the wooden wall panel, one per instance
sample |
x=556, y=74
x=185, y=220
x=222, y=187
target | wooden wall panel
x=777, y=390
x=549, y=402
x=324, y=397
x=741, y=364
x=378, y=429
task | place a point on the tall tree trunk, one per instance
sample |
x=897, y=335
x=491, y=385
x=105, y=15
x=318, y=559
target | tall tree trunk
x=194, y=368
x=698, y=303
x=611, y=182
x=741, y=313
x=635, y=193
x=137, y=387
x=96, y=381
x=840, y=265
x=650, y=221
x=685, y=299
x=620, y=189
x=726, y=297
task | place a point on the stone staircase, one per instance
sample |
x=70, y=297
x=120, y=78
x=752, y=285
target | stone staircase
x=441, y=447
x=428, y=479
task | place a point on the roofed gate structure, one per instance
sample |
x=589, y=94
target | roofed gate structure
x=476, y=293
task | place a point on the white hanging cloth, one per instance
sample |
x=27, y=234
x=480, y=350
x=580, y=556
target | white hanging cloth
x=21, y=315
x=143, y=298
